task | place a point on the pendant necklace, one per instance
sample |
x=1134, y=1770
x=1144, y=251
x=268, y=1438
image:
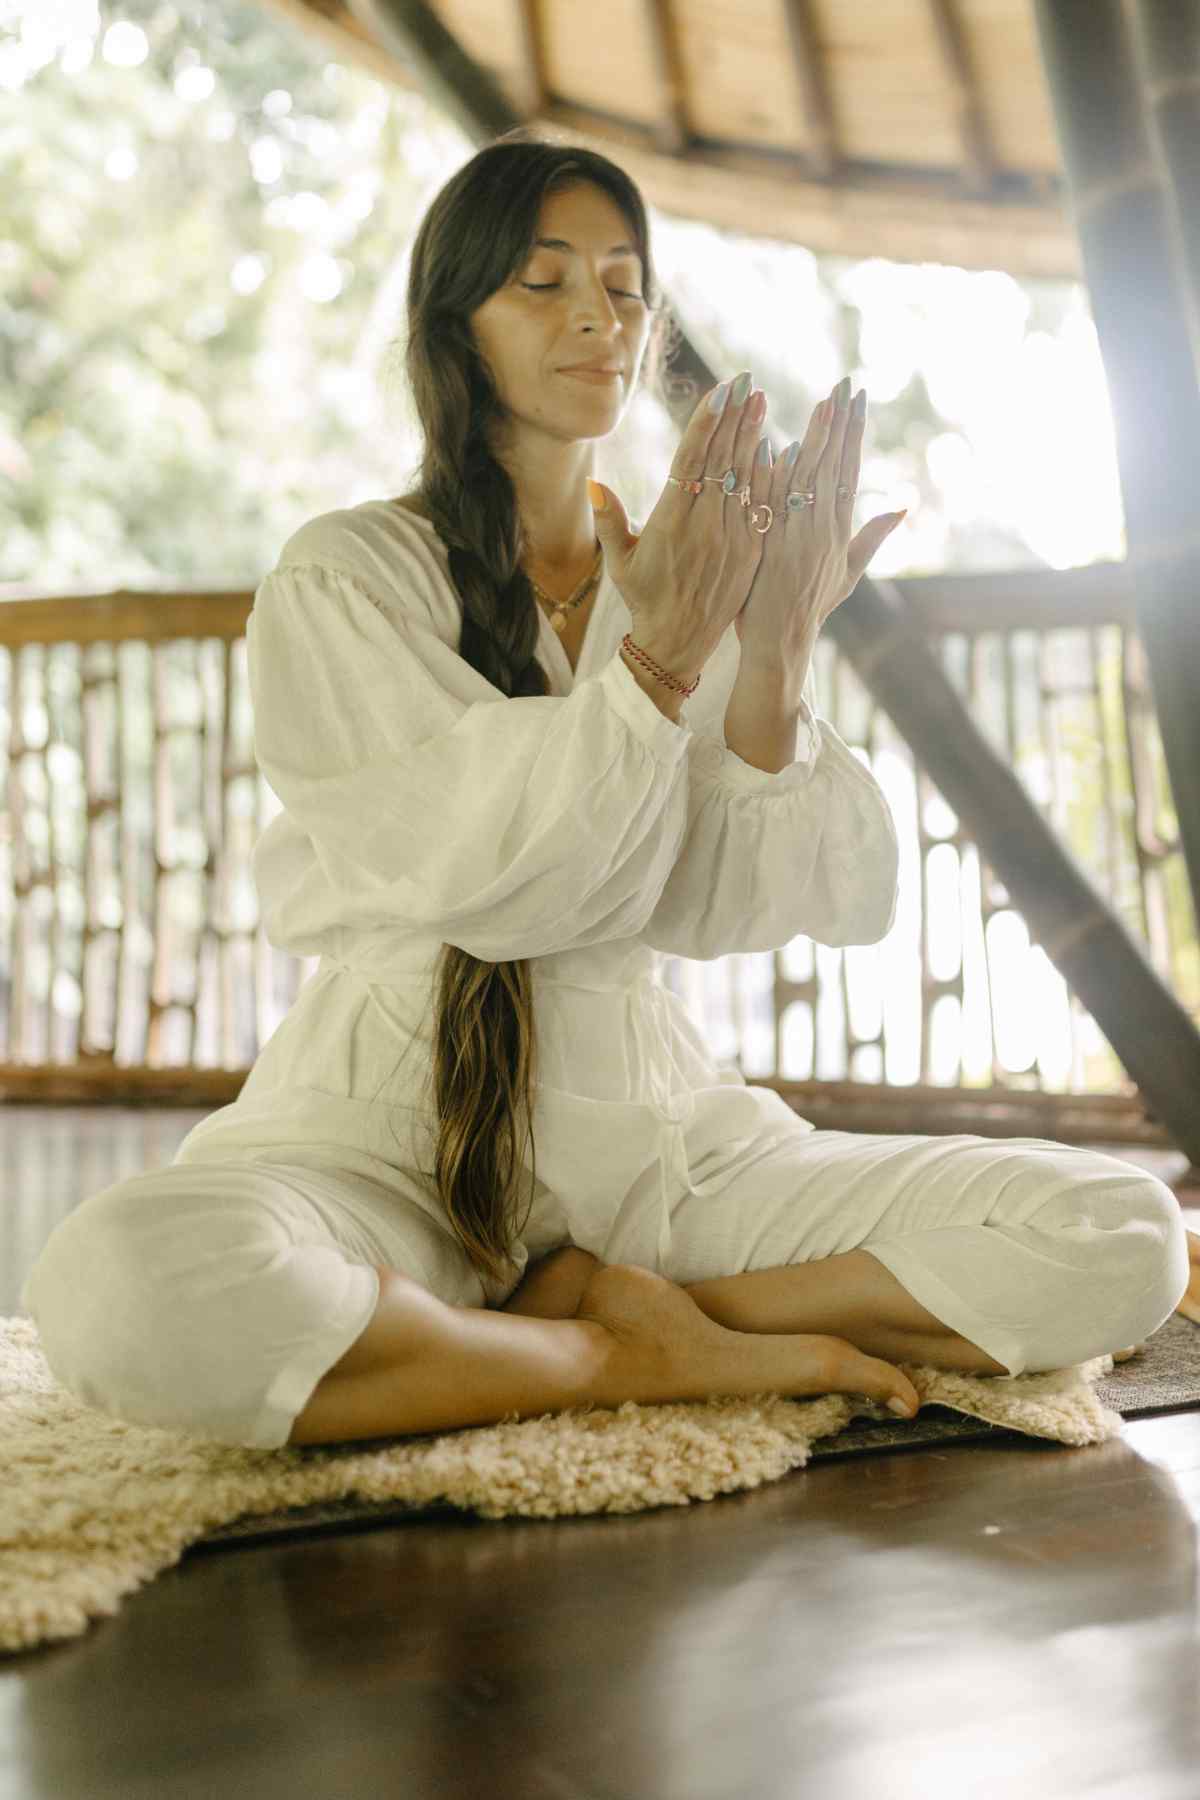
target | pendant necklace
x=562, y=608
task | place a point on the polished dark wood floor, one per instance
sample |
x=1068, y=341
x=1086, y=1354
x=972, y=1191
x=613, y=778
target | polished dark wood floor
x=1008, y=1619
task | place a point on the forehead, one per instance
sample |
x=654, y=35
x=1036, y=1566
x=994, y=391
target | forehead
x=583, y=220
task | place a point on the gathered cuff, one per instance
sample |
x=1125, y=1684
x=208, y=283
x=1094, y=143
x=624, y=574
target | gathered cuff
x=713, y=757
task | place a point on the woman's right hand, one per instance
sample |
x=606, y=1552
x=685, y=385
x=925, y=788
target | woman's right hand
x=688, y=574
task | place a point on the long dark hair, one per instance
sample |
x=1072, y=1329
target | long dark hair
x=476, y=233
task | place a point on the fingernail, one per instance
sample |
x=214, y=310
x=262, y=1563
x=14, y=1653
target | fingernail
x=899, y=1408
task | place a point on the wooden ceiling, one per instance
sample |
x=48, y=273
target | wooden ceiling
x=918, y=130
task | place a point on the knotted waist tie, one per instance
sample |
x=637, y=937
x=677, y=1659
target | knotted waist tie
x=666, y=1089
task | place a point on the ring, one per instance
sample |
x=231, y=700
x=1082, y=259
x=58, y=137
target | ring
x=797, y=500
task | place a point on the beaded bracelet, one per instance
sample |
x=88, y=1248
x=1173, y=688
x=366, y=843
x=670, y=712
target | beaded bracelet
x=631, y=649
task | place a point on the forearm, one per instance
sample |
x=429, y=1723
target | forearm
x=762, y=718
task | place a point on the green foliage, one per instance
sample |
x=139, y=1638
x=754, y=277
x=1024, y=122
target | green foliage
x=207, y=223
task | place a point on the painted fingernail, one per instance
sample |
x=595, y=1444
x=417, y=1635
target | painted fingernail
x=791, y=453
x=716, y=400
x=762, y=455
x=859, y=409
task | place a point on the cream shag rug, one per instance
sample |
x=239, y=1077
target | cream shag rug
x=93, y=1508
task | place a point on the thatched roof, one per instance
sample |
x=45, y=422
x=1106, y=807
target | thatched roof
x=919, y=130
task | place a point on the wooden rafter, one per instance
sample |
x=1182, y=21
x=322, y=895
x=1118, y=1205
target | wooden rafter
x=672, y=134
x=979, y=162
x=816, y=102
x=533, y=58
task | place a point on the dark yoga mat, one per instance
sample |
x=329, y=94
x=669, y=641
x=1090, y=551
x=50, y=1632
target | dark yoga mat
x=1163, y=1378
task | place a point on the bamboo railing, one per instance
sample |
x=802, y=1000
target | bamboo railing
x=133, y=967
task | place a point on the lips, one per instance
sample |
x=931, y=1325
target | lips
x=588, y=369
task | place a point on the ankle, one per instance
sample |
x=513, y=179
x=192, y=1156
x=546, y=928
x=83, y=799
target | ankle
x=943, y=1350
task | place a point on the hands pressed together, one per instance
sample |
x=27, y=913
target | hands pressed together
x=810, y=562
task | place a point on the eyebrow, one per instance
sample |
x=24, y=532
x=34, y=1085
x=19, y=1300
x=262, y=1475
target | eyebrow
x=562, y=244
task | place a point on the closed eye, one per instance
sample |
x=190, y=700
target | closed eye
x=539, y=287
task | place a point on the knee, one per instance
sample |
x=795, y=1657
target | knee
x=1161, y=1236
x=135, y=1295
x=1132, y=1249
x=89, y=1300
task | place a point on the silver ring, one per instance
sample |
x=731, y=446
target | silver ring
x=797, y=499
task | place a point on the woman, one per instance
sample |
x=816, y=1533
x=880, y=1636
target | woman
x=491, y=834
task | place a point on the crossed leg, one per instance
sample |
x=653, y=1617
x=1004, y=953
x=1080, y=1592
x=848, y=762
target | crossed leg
x=851, y=1296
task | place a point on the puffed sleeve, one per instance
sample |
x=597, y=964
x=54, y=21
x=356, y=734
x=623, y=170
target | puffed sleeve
x=415, y=794
x=808, y=851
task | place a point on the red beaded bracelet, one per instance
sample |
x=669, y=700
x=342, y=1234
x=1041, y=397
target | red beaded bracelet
x=631, y=649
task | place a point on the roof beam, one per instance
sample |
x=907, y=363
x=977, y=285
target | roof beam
x=533, y=58
x=672, y=132
x=821, y=158
x=979, y=162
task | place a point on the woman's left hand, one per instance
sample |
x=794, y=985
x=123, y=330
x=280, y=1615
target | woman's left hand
x=1189, y=1306
x=809, y=561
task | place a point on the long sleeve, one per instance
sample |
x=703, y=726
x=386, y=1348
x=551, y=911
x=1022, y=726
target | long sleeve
x=809, y=851
x=417, y=797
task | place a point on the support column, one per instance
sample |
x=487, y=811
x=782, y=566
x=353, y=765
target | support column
x=1124, y=211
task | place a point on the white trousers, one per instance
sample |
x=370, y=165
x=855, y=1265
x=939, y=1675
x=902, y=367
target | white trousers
x=211, y=1297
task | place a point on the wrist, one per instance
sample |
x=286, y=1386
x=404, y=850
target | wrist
x=669, y=701
x=774, y=680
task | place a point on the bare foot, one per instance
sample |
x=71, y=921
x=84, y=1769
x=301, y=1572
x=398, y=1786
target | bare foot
x=697, y=1359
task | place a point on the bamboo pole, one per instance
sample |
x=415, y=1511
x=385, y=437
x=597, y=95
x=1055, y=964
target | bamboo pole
x=1147, y=1027
x=1166, y=36
x=1121, y=198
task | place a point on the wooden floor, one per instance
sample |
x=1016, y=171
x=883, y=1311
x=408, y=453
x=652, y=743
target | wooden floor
x=1013, y=1619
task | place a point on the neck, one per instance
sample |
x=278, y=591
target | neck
x=565, y=561
x=558, y=527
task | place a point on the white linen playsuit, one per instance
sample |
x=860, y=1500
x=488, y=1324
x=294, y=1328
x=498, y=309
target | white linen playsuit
x=589, y=833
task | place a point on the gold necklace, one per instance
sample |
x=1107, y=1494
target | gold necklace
x=562, y=607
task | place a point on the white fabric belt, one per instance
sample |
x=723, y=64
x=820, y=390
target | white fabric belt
x=668, y=1092
x=668, y=1096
